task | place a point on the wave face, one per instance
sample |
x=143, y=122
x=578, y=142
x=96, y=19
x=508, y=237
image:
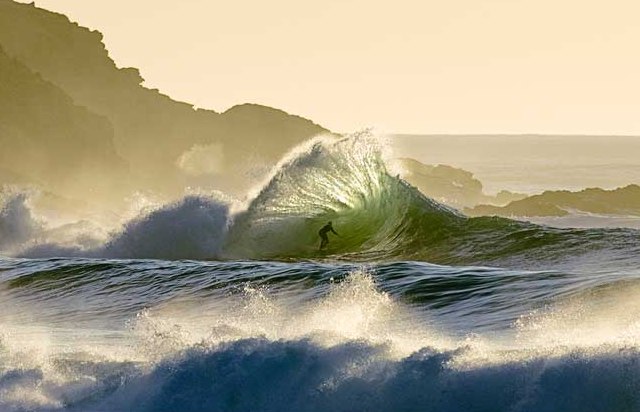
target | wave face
x=149, y=335
x=343, y=181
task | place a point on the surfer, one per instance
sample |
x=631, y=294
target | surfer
x=323, y=234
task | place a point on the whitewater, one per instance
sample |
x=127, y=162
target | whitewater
x=206, y=304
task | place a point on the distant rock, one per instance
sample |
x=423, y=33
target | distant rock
x=452, y=186
x=620, y=201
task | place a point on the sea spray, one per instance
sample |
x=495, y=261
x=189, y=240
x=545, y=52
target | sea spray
x=240, y=336
x=17, y=223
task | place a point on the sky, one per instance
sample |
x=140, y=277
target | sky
x=402, y=66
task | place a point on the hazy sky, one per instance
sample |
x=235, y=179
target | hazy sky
x=423, y=66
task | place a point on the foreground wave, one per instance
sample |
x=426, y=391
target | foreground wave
x=104, y=335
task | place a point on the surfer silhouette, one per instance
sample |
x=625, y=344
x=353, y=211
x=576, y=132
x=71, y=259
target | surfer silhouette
x=323, y=234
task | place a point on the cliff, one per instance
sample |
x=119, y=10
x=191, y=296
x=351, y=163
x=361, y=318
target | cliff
x=156, y=135
x=47, y=139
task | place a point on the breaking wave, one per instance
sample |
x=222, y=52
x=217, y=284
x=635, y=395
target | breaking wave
x=343, y=181
x=377, y=215
x=194, y=228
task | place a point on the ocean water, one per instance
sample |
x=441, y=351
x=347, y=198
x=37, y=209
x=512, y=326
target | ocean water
x=531, y=164
x=206, y=306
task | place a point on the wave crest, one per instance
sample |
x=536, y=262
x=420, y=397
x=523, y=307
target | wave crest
x=340, y=180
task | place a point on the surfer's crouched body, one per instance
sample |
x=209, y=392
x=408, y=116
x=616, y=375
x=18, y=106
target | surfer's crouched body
x=323, y=234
